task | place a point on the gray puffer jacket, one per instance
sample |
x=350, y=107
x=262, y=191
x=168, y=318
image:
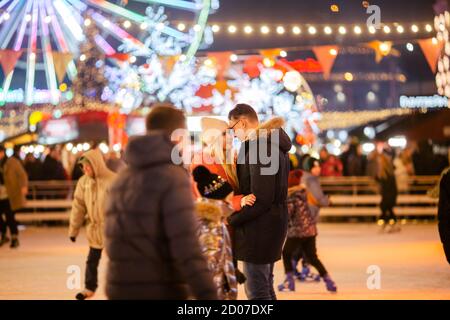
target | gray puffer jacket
x=151, y=229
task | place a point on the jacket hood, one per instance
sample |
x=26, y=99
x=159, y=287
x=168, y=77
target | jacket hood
x=144, y=151
x=277, y=123
x=98, y=164
x=208, y=210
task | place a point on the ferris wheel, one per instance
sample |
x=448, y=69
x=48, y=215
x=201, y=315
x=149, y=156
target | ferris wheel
x=36, y=36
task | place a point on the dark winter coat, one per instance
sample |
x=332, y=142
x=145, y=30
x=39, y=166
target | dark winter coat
x=260, y=230
x=388, y=191
x=53, y=169
x=444, y=213
x=302, y=223
x=151, y=229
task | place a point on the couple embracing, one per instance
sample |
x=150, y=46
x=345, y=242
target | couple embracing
x=259, y=176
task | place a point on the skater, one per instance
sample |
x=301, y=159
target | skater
x=13, y=190
x=219, y=158
x=260, y=230
x=444, y=212
x=88, y=204
x=212, y=211
x=383, y=172
x=302, y=234
x=151, y=235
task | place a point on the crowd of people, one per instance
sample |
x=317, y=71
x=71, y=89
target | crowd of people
x=177, y=231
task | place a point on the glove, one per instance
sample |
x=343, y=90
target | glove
x=73, y=239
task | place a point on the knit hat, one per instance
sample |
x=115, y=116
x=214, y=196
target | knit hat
x=310, y=163
x=211, y=185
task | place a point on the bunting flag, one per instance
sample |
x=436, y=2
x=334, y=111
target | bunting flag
x=431, y=50
x=122, y=57
x=382, y=49
x=222, y=62
x=8, y=60
x=60, y=61
x=326, y=55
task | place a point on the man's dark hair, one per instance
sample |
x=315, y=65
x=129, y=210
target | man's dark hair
x=165, y=117
x=243, y=110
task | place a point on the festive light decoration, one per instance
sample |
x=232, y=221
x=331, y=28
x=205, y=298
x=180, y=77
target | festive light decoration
x=58, y=25
x=441, y=50
x=392, y=29
x=337, y=120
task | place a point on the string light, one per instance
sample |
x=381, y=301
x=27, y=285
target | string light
x=233, y=57
x=312, y=30
x=280, y=30
x=283, y=54
x=232, y=29
x=132, y=59
x=434, y=41
x=143, y=26
x=333, y=52
x=265, y=30
x=126, y=24
x=28, y=17
x=87, y=22
x=248, y=29
x=181, y=27
x=215, y=28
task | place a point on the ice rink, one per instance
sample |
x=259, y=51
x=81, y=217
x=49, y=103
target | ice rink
x=412, y=264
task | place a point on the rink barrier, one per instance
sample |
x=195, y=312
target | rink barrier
x=349, y=196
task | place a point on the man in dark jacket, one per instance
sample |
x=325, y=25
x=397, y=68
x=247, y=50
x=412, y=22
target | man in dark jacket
x=262, y=169
x=151, y=238
x=444, y=213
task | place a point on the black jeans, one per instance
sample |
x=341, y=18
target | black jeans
x=91, y=281
x=308, y=248
x=5, y=209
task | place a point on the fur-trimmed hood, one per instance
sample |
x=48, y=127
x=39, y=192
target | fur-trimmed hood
x=210, y=210
x=276, y=123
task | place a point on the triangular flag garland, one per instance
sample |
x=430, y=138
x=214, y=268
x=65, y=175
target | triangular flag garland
x=222, y=61
x=8, y=60
x=432, y=50
x=326, y=55
x=61, y=60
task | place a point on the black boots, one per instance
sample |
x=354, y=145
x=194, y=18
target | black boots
x=14, y=242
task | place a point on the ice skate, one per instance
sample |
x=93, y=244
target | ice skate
x=331, y=286
x=14, y=242
x=85, y=294
x=288, y=284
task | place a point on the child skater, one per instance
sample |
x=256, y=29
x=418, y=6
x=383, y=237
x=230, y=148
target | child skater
x=212, y=210
x=88, y=204
x=302, y=233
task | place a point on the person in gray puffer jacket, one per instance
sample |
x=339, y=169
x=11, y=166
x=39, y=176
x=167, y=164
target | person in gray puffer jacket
x=151, y=229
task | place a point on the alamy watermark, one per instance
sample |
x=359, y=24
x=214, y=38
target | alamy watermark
x=73, y=281
x=374, y=279
x=374, y=19
x=261, y=148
